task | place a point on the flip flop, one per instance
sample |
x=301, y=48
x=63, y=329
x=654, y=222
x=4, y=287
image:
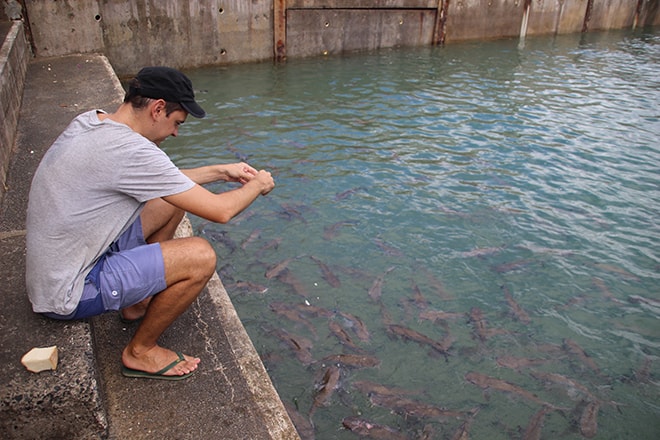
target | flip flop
x=129, y=372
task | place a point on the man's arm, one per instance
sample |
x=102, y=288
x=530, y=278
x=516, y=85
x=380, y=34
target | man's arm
x=222, y=207
x=235, y=172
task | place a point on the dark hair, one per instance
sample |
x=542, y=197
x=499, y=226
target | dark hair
x=138, y=101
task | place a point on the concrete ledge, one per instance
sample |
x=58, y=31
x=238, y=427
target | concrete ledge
x=231, y=395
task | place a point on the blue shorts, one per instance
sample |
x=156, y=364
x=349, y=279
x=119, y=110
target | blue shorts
x=129, y=272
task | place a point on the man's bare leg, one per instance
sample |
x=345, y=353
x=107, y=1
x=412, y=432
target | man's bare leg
x=189, y=264
x=159, y=223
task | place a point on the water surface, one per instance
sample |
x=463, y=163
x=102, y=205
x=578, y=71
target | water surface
x=500, y=199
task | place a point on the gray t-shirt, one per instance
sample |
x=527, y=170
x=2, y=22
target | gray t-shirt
x=90, y=186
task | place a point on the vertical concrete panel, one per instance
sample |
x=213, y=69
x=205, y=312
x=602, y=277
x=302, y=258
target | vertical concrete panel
x=332, y=31
x=544, y=16
x=185, y=33
x=649, y=15
x=65, y=26
x=571, y=16
x=612, y=14
x=483, y=19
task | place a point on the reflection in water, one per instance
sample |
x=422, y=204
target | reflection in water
x=462, y=239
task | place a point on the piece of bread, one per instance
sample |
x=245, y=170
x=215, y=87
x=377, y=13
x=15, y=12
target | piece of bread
x=40, y=359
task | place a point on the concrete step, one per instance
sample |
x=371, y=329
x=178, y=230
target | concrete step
x=229, y=397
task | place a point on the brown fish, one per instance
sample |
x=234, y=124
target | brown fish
x=288, y=278
x=330, y=232
x=367, y=429
x=480, y=327
x=413, y=408
x=357, y=325
x=300, y=346
x=292, y=314
x=353, y=360
x=535, y=425
x=517, y=364
x=326, y=388
x=485, y=382
x=342, y=335
x=415, y=336
x=326, y=273
x=417, y=298
x=276, y=269
x=588, y=422
x=439, y=315
x=572, y=348
x=367, y=387
x=517, y=311
x=376, y=289
x=302, y=423
x=439, y=287
x=570, y=385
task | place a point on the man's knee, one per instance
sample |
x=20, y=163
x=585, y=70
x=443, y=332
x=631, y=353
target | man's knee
x=206, y=255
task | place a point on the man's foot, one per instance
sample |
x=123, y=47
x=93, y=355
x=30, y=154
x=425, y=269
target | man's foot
x=158, y=362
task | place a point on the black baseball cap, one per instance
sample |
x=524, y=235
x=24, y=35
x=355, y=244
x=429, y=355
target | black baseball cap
x=166, y=83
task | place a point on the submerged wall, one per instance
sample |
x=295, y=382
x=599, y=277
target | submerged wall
x=190, y=33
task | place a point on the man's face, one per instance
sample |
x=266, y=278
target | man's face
x=168, y=125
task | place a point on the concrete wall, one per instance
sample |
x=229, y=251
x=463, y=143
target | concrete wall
x=191, y=33
x=14, y=56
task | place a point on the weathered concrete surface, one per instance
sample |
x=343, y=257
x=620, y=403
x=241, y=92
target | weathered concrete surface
x=192, y=33
x=65, y=403
x=14, y=56
x=231, y=395
x=334, y=31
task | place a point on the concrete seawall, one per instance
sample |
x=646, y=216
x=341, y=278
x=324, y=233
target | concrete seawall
x=193, y=33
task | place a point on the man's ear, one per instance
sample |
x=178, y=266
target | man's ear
x=157, y=107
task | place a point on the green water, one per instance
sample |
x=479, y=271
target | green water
x=456, y=175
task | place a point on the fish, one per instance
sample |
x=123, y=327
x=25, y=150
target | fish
x=357, y=325
x=482, y=252
x=618, y=271
x=326, y=388
x=517, y=364
x=649, y=304
x=344, y=194
x=479, y=325
x=288, y=278
x=221, y=237
x=588, y=423
x=387, y=249
x=253, y=236
x=439, y=287
x=272, y=244
x=300, y=422
x=415, y=336
x=413, y=408
x=353, y=360
x=367, y=387
x=276, y=269
x=367, y=429
x=512, y=266
x=463, y=431
x=248, y=286
x=572, y=348
x=292, y=314
x=486, y=382
x=327, y=274
x=417, y=298
x=439, y=315
x=535, y=425
x=342, y=335
x=376, y=289
x=570, y=385
x=299, y=345
x=331, y=231
x=517, y=311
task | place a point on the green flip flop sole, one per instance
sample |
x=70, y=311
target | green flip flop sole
x=129, y=372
